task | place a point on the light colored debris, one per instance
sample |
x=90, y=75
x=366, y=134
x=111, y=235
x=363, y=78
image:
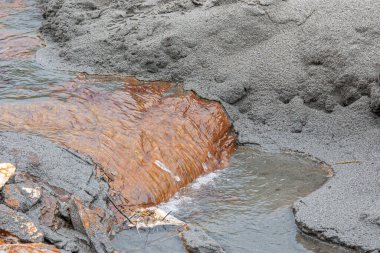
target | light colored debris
x=6, y=171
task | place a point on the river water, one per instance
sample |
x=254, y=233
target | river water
x=160, y=138
x=247, y=206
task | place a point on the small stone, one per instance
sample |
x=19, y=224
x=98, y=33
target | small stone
x=49, y=212
x=6, y=171
x=196, y=240
x=220, y=78
x=19, y=225
x=197, y=2
x=21, y=196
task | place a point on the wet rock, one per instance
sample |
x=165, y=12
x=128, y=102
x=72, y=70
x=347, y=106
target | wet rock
x=20, y=225
x=375, y=99
x=68, y=239
x=49, y=214
x=197, y=241
x=42, y=188
x=6, y=171
x=29, y=248
x=21, y=196
x=89, y=223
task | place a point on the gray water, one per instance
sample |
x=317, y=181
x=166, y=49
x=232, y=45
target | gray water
x=247, y=207
x=24, y=79
x=163, y=238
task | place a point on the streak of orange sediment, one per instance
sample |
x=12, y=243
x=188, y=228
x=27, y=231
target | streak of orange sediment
x=18, y=46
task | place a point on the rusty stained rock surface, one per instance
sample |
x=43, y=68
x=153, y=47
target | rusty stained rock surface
x=10, y=243
x=89, y=222
x=149, y=145
x=20, y=225
x=28, y=248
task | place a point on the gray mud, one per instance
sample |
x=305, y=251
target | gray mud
x=47, y=178
x=296, y=74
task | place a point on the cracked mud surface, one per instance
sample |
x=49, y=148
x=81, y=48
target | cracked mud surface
x=300, y=75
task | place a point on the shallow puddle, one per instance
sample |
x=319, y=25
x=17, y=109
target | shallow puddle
x=246, y=207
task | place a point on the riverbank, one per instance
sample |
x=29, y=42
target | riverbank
x=60, y=197
x=299, y=75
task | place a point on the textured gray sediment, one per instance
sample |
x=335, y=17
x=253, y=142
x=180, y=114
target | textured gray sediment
x=296, y=74
x=35, y=203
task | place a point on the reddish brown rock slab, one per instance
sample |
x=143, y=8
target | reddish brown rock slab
x=149, y=147
x=19, y=225
x=28, y=248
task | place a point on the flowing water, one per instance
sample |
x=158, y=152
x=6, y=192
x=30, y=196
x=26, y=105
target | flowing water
x=151, y=139
x=247, y=206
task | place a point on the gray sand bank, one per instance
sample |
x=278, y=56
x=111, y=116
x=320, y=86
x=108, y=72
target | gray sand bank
x=296, y=74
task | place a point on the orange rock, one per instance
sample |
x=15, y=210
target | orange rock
x=10, y=243
x=19, y=225
x=28, y=248
x=10, y=201
x=149, y=145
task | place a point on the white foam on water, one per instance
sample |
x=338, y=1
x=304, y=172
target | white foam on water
x=174, y=204
x=204, y=180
